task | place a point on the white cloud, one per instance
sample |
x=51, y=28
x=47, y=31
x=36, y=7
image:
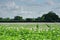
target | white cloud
x=10, y=4
x=29, y=0
x=50, y=2
x=33, y=9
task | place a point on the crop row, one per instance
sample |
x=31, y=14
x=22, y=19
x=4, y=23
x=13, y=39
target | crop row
x=18, y=33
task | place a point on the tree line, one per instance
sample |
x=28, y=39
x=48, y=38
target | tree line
x=49, y=17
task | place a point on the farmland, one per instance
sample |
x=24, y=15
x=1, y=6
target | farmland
x=29, y=31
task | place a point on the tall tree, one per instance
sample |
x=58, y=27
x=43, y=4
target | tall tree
x=30, y=19
x=18, y=18
x=51, y=16
x=6, y=19
x=38, y=19
x=1, y=18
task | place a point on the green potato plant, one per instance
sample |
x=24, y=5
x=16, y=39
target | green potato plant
x=13, y=32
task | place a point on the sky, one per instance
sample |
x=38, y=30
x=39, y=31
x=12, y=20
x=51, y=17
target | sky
x=28, y=8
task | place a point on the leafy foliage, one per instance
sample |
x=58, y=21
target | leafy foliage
x=12, y=32
x=49, y=17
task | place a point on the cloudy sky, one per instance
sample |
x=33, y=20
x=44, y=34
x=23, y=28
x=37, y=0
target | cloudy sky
x=28, y=8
